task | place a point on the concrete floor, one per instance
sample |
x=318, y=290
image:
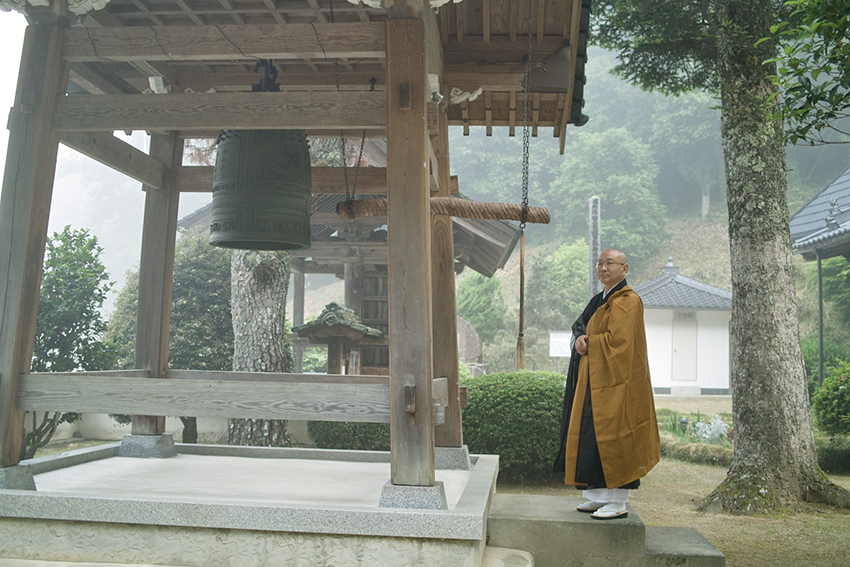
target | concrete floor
x=227, y=479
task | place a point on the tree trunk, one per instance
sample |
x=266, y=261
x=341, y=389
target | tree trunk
x=774, y=463
x=190, y=429
x=259, y=283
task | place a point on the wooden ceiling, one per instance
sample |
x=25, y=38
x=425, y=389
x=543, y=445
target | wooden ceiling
x=182, y=46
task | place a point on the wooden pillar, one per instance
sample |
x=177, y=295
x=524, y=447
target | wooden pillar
x=24, y=211
x=450, y=433
x=156, y=270
x=335, y=356
x=298, y=285
x=354, y=287
x=409, y=240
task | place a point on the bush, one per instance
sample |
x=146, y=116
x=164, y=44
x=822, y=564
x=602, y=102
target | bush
x=345, y=435
x=516, y=415
x=833, y=454
x=833, y=354
x=831, y=402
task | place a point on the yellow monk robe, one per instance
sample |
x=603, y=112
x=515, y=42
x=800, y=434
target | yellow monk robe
x=617, y=370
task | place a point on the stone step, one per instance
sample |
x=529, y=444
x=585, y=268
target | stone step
x=503, y=557
x=684, y=547
x=557, y=534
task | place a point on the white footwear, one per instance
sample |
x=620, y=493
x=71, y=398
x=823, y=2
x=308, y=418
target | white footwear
x=611, y=511
x=589, y=506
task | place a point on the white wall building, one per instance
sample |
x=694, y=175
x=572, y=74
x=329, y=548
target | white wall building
x=687, y=334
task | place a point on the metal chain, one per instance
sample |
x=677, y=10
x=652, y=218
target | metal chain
x=525, y=121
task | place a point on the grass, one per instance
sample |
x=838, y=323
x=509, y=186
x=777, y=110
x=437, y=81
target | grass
x=816, y=536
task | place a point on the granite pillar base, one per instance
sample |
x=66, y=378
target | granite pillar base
x=16, y=478
x=452, y=458
x=148, y=446
x=423, y=497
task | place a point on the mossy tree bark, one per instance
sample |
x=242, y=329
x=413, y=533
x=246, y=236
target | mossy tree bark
x=259, y=284
x=774, y=462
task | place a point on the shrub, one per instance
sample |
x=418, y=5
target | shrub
x=345, y=435
x=831, y=402
x=833, y=353
x=713, y=432
x=517, y=416
x=833, y=454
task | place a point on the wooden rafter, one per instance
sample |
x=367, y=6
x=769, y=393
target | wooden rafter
x=225, y=42
x=195, y=111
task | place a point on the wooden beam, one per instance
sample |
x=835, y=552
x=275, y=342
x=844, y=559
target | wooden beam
x=213, y=111
x=325, y=180
x=117, y=154
x=409, y=228
x=96, y=80
x=156, y=269
x=491, y=76
x=24, y=209
x=225, y=42
x=444, y=306
x=313, y=400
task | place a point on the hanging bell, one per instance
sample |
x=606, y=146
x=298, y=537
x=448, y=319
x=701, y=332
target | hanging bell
x=261, y=190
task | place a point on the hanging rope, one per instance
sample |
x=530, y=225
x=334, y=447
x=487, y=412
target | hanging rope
x=520, y=341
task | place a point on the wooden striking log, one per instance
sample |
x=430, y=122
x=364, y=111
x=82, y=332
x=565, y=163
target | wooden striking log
x=452, y=206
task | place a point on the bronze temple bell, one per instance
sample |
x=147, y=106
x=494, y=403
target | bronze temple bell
x=261, y=190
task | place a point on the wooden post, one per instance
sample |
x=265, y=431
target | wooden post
x=156, y=270
x=24, y=210
x=335, y=356
x=409, y=240
x=354, y=287
x=450, y=433
x=298, y=314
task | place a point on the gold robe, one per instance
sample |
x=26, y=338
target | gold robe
x=617, y=370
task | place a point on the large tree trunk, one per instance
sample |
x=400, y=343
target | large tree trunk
x=774, y=463
x=259, y=283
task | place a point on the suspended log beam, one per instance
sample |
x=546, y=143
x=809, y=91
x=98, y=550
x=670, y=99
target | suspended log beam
x=325, y=180
x=225, y=42
x=216, y=111
x=117, y=154
x=452, y=206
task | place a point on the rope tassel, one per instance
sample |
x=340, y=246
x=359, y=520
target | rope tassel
x=520, y=341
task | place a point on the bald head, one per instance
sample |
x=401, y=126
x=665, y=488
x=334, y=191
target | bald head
x=611, y=268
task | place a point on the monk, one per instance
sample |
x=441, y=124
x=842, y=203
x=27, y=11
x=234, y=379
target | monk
x=609, y=434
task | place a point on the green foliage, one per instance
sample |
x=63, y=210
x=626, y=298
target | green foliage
x=201, y=328
x=833, y=454
x=665, y=45
x=517, y=416
x=480, y=302
x=812, y=69
x=557, y=287
x=315, y=360
x=463, y=371
x=621, y=170
x=831, y=402
x=833, y=355
x=354, y=436
x=69, y=328
x=73, y=288
x=836, y=285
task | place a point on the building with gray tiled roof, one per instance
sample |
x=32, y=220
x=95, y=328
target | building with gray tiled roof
x=687, y=334
x=674, y=291
x=822, y=226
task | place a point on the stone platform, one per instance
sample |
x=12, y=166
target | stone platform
x=216, y=506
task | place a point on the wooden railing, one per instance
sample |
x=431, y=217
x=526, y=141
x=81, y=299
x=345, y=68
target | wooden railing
x=201, y=393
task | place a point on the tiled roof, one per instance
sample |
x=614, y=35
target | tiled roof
x=675, y=291
x=824, y=222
